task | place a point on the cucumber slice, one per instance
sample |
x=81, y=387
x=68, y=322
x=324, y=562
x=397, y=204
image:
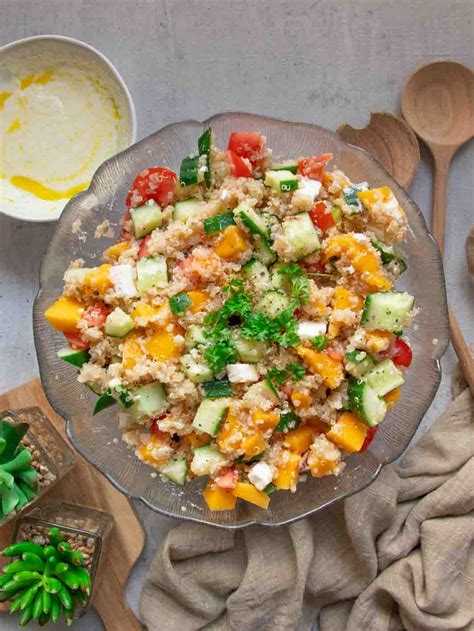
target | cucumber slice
x=217, y=389
x=118, y=323
x=387, y=311
x=252, y=220
x=104, y=401
x=300, y=235
x=263, y=251
x=257, y=275
x=195, y=371
x=384, y=377
x=391, y=255
x=359, y=362
x=209, y=416
x=218, y=222
x=365, y=402
x=336, y=213
x=120, y=393
x=189, y=170
x=176, y=470
x=286, y=165
x=206, y=459
x=194, y=336
x=152, y=273
x=279, y=281
x=146, y=218
x=204, y=147
x=273, y=303
x=179, y=303
x=281, y=181
x=183, y=211
x=249, y=351
x=150, y=400
x=75, y=356
x=263, y=389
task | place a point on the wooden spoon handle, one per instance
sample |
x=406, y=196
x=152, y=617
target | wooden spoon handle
x=462, y=351
x=440, y=192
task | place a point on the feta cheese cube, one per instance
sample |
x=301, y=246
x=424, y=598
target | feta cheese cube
x=307, y=330
x=242, y=373
x=260, y=475
x=123, y=281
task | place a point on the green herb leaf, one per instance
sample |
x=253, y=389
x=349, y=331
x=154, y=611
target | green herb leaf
x=299, y=283
x=180, y=303
x=276, y=376
x=219, y=354
x=288, y=421
x=296, y=370
x=320, y=342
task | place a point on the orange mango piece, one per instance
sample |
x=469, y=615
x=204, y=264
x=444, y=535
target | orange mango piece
x=372, y=196
x=161, y=346
x=198, y=299
x=98, y=280
x=323, y=467
x=318, y=425
x=253, y=444
x=287, y=477
x=331, y=370
x=265, y=420
x=249, y=493
x=348, y=433
x=232, y=243
x=219, y=499
x=343, y=299
x=64, y=314
x=377, y=341
x=116, y=250
x=131, y=351
x=299, y=440
x=392, y=397
x=198, y=439
x=301, y=400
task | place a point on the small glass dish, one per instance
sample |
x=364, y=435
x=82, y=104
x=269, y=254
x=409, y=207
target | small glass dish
x=86, y=529
x=98, y=438
x=51, y=456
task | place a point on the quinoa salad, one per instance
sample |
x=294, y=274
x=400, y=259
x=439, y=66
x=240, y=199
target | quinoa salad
x=246, y=323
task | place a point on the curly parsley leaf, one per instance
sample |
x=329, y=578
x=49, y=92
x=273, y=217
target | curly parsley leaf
x=276, y=376
x=296, y=370
x=320, y=342
x=219, y=354
x=299, y=283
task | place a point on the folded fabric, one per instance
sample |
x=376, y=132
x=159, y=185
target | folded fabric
x=398, y=555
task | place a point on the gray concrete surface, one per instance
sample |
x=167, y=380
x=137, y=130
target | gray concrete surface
x=307, y=60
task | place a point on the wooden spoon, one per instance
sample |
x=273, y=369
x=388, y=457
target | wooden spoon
x=391, y=141
x=438, y=103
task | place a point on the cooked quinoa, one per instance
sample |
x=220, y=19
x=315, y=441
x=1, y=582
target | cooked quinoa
x=245, y=322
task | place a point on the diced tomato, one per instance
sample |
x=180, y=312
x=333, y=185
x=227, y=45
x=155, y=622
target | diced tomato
x=369, y=437
x=247, y=144
x=321, y=216
x=314, y=167
x=401, y=354
x=238, y=165
x=75, y=340
x=96, y=315
x=227, y=478
x=317, y=267
x=143, y=250
x=157, y=183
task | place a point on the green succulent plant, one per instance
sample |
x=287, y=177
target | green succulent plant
x=44, y=582
x=18, y=478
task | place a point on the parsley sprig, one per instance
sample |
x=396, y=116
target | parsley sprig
x=277, y=376
x=299, y=283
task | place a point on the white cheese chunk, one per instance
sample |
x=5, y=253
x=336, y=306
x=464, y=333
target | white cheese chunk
x=260, y=475
x=122, y=279
x=307, y=330
x=309, y=187
x=242, y=373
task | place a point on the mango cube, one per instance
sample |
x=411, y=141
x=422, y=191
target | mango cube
x=249, y=493
x=348, y=433
x=219, y=499
x=64, y=314
x=232, y=243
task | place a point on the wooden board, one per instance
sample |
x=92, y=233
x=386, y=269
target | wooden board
x=84, y=485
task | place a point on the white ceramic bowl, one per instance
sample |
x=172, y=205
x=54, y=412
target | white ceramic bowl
x=57, y=48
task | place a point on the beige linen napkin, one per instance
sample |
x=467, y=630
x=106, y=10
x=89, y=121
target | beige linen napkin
x=403, y=549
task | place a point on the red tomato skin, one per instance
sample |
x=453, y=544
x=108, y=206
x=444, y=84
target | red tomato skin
x=402, y=354
x=247, y=144
x=75, y=340
x=321, y=216
x=227, y=478
x=154, y=429
x=96, y=315
x=333, y=354
x=369, y=437
x=313, y=167
x=143, y=252
x=238, y=166
x=156, y=183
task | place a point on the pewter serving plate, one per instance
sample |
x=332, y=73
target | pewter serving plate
x=98, y=438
